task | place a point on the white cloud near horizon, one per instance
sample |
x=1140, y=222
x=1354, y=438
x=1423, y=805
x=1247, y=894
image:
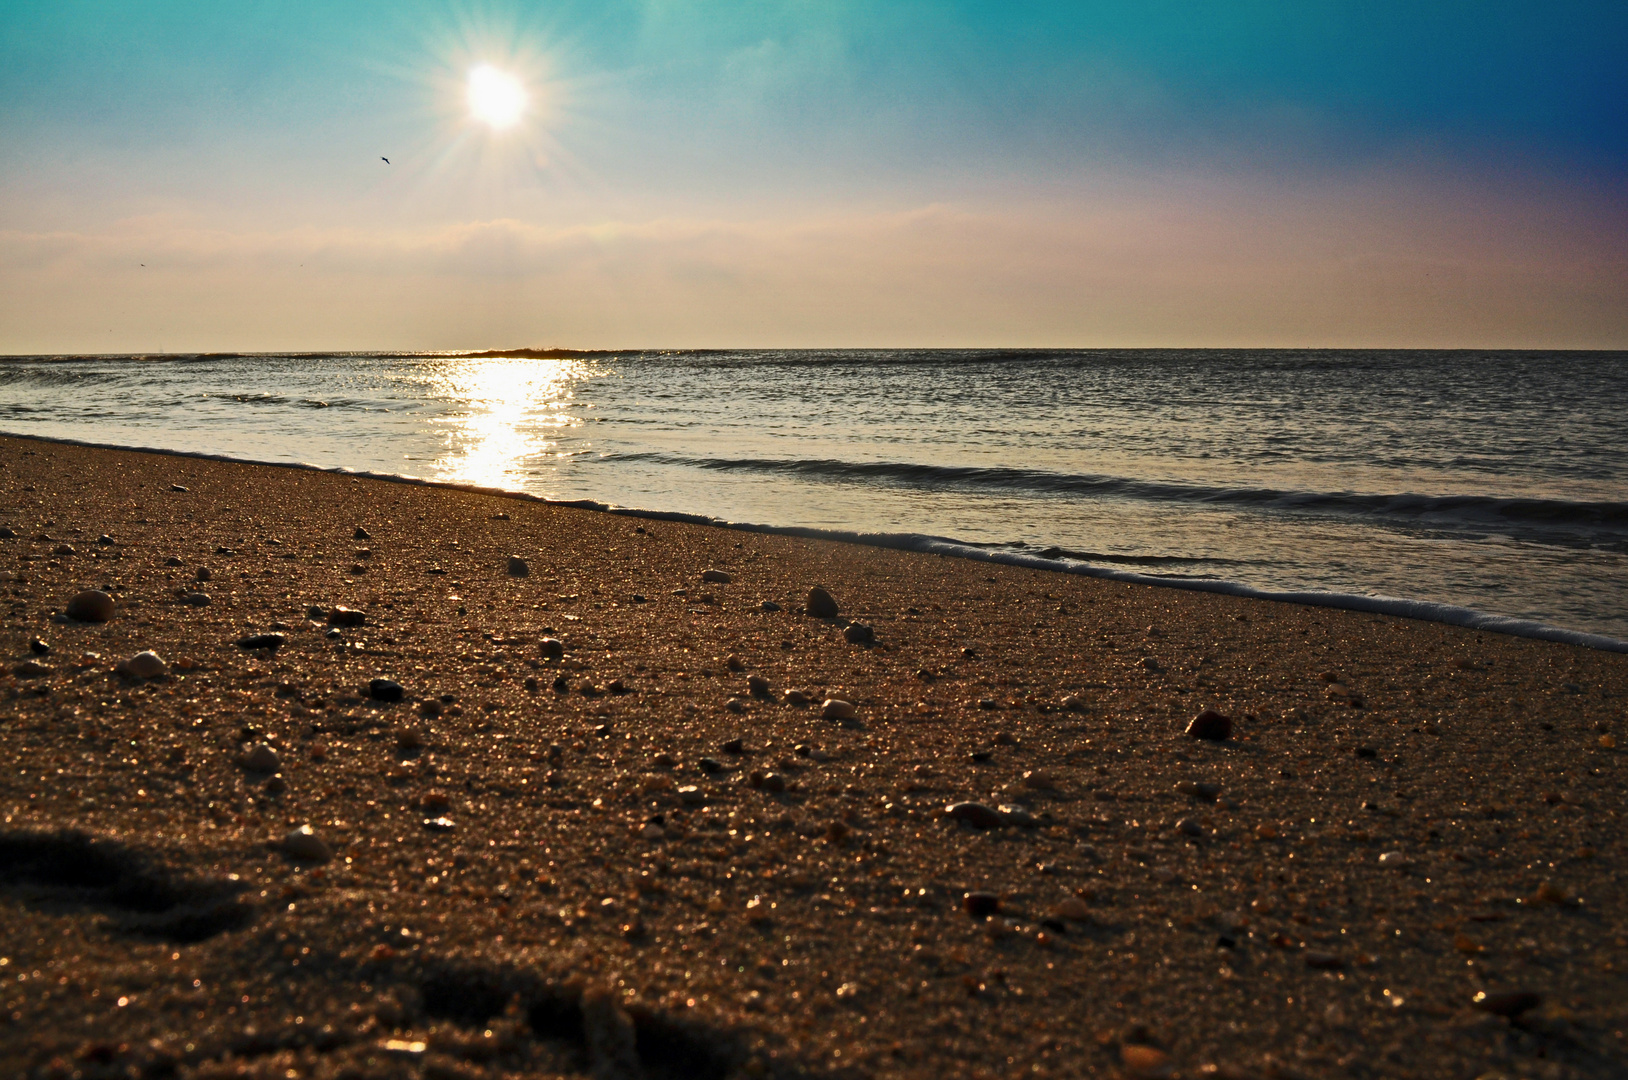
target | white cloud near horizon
x=1355, y=264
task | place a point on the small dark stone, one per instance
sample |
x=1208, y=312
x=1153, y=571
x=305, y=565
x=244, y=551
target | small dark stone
x=716, y=577
x=821, y=604
x=92, y=605
x=1508, y=1003
x=981, y=905
x=105, y=540
x=561, y=686
x=1189, y=827
x=179, y=487
x=385, y=690
x=531, y=683
x=978, y=815
x=262, y=641
x=617, y=686
x=224, y=550
x=733, y=746
x=551, y=648
x=195, y=599
x=1056, y=926
x=362, y=534
x=638, y=598
x=203, y=573
x=773, y=783
x=344, y=616
x=31, y=669
x=969, y=653
x=174, y=560
x=437, y=824
x=518, y=567
x=980, y=756
x=39, y=647
x=334, y=635
x=924, y=675
x=1225, y=942
x=710, y=765
x=7, y=533
x=429, y=709
x=757, y=686
x=1211, y=726
x=1367, y=752
x=858, y=633
x=768, y=605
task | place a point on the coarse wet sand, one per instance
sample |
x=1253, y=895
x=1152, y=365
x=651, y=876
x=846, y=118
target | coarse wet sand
x=638, y=860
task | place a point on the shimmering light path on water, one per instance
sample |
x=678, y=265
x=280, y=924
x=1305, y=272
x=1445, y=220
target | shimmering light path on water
x=1492, y=481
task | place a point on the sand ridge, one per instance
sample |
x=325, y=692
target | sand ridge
x=572, y=867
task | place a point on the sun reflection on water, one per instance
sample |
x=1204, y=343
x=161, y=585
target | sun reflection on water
x=513, y=412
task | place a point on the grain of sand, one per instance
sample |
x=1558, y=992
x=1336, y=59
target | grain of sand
x=569, y=867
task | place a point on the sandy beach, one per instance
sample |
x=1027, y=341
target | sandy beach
x=590, y=814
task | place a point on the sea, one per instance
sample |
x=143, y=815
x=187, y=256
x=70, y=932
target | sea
x=1487, y=489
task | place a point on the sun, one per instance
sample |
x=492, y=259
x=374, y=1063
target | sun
x=496, y=98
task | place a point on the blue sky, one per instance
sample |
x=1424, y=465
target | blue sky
x=814, y=173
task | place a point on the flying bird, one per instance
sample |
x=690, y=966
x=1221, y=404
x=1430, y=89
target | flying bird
x=385, y=160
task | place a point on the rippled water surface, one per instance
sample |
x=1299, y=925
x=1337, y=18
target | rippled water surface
x=1496, y=481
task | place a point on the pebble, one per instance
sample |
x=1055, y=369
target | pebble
x=716, y=577
x=768, y=605
x=1074, y=704
x=772, y=782
x=1394, y=859
x=39, y=647
x=195, y=599
x=735, y=705
x=690, y=795
x=735, y=663
x=518, y=567
x=551, y=648
x=757, y=686
x=976, y=814
x=438, y=824
x=1073, y=909
x=664, y=760
x=836, y=709
x=203, y=573
x=1211, y=726
x=262, y=641
x=144, y=665
x=64, y=549
x=410, y=738
x=1014, y=814
x=710, y=765
x=1148, y=1062
x=858, y=633
x=796, y=697
x=820, y=604
x=7, y=533
x=261, y=758
x=361, y=534
x=31, y=669
x=1199, y=790
x=734, y=746
x=344, y=616
x=1189, y=827
x=105, y=540
x=981, y=905
x=304, y=843
x=1510, y=1003
x=1040, y=780
x=385, y=690
x=92, y=605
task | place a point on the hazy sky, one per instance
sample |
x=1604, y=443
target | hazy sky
x=813, y=173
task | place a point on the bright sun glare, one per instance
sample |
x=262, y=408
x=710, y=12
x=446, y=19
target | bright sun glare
x=496, y=98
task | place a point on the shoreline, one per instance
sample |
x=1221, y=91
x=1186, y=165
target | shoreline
x=1423, y=610
x=632, y=855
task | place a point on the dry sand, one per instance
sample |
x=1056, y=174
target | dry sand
x=527, y=880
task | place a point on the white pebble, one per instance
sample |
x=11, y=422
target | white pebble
x=145, y=665
x=837, y=709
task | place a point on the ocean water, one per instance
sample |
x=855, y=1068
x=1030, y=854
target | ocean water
x=1495, y=481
